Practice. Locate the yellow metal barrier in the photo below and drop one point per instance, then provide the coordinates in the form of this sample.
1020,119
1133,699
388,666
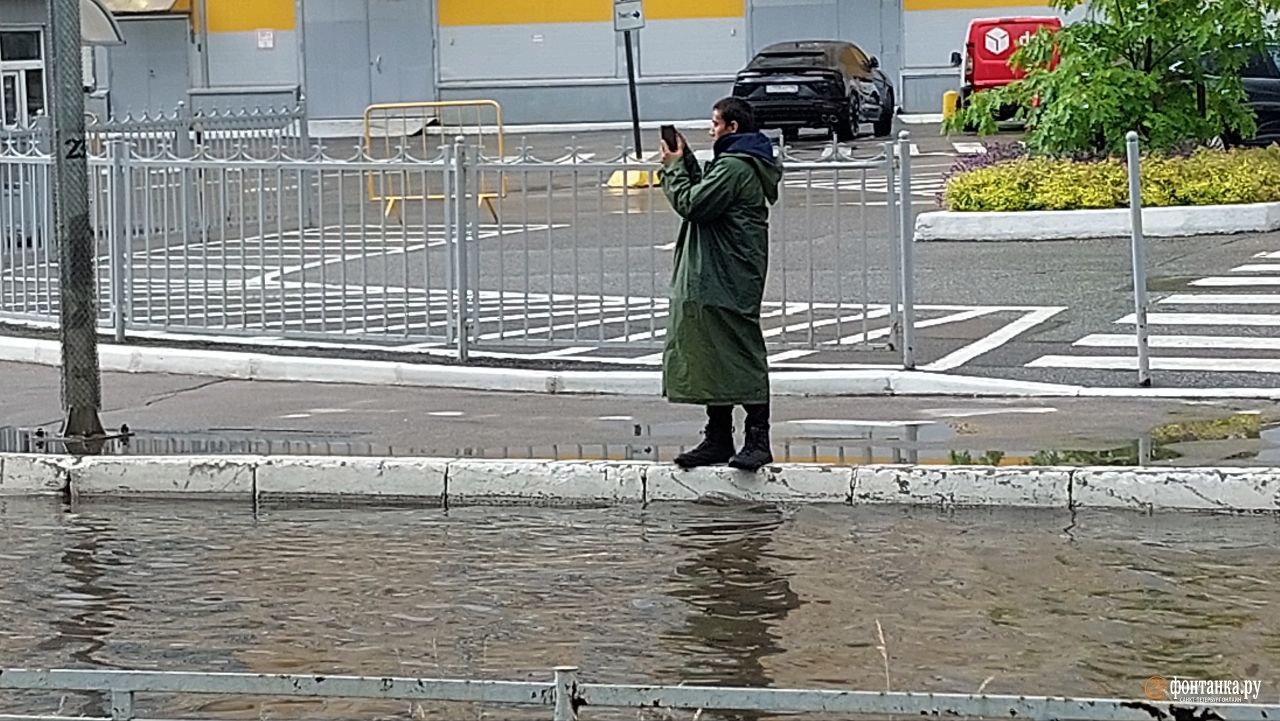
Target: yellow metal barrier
421,128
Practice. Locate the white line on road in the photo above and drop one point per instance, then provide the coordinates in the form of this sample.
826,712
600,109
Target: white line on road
1221,299
1234,281
1182,342
1257,268
884,332
1245,319
1222,365
993,341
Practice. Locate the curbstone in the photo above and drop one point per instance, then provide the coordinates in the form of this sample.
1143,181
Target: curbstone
1161,222
791,483
545,482
1200,489
34,475
210,476
963,486
419,478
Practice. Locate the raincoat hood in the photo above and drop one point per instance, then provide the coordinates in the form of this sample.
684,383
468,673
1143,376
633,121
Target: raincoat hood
756,149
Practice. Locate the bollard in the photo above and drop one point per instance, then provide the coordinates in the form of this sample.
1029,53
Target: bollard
1139,259
950,104
566,688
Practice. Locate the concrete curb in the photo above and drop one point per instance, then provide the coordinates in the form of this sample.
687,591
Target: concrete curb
441,481
1168,222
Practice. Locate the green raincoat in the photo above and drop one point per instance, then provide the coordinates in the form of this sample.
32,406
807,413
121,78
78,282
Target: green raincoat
715,352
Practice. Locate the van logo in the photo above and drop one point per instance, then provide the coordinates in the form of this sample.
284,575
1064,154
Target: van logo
997,41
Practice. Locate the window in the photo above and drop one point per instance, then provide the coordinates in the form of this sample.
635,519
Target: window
22,77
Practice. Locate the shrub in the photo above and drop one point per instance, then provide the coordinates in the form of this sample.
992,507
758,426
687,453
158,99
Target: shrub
1203,177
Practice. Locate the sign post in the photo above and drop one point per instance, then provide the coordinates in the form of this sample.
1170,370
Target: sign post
628,15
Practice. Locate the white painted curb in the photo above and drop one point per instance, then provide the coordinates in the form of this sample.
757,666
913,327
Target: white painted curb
1174,222
435,481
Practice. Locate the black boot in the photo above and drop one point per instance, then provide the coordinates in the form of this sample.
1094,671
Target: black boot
717,442
755,453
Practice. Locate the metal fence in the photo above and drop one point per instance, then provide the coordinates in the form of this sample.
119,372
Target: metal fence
566,696
244,242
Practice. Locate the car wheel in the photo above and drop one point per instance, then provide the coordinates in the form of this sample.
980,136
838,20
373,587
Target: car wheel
883,126
791,134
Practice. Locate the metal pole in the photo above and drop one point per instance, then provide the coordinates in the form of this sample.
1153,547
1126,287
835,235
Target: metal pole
631,84
118,236
895,247
203,12
81,379
906,236
461,201
566,687
1139,260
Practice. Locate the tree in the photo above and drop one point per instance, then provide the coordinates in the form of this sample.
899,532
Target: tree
1168,69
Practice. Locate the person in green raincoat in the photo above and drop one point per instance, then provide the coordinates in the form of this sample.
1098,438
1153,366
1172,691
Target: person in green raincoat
715,353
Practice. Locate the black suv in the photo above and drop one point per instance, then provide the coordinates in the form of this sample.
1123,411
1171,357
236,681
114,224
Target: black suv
817,84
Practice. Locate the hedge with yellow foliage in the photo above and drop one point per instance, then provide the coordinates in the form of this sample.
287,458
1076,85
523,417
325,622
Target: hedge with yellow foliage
1204,177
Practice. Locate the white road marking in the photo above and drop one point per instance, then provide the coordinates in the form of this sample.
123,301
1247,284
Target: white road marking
1245,319
1257,268
1181,342
1221,365
446,414
993,341
1221,299
884,332
844,423
1234,281
975,412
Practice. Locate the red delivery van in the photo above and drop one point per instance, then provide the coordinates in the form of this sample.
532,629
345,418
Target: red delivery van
988,46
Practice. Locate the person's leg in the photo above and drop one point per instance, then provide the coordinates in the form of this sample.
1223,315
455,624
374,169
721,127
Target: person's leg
717,442
756,450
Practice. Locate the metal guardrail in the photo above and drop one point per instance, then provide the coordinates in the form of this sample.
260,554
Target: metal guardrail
568,696
254,242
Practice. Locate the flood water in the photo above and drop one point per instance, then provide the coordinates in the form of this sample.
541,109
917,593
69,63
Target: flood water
1027,602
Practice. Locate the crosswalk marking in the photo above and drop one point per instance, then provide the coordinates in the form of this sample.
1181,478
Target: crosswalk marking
1233,281
1213,319
1158,363
1221,299
1196,351
1180,342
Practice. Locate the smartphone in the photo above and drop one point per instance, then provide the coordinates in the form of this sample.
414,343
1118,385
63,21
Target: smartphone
669,136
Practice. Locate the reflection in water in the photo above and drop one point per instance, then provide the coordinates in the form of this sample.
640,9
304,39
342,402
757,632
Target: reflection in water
92,602
736,597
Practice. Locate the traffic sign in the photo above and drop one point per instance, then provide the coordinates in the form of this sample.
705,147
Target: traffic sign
628,15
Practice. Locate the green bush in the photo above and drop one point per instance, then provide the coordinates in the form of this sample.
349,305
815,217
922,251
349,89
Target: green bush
1205,177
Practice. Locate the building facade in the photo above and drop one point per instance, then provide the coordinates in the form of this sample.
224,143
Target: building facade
543,60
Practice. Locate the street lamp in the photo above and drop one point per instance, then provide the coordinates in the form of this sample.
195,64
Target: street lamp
69,22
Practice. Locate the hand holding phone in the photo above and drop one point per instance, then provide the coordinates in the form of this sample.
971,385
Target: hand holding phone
670,137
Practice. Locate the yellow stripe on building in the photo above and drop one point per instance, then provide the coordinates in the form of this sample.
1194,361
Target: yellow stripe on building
455,13
244,16
693,9
969,4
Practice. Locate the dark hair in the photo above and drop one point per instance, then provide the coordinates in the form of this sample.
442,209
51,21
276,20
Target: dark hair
736,110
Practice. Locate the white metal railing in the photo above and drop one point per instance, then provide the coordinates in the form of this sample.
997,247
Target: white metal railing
257,241
567,695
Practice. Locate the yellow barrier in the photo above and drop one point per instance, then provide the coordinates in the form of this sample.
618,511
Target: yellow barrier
950,103
421,128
